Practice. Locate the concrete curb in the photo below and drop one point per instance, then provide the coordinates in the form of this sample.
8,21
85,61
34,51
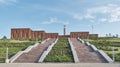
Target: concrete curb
45,53
76,60
80,40
93,47
105,56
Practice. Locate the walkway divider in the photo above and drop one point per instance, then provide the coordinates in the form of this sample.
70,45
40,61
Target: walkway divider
13,58
45,53
105,56
81,40
76,60
101,52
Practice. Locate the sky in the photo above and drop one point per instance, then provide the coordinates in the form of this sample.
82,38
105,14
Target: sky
51,15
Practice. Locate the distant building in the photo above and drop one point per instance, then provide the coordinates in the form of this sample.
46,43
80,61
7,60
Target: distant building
27,33
21,33
93,35
79,34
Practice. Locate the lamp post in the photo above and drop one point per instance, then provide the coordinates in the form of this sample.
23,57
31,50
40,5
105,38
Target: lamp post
92,29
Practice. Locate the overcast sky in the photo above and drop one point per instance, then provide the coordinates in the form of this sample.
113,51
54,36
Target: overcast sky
51,15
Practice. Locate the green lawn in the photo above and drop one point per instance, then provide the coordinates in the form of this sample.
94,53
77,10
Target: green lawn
14,46
61,52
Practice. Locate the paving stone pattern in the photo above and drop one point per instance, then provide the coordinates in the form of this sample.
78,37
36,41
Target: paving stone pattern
85,53
34,54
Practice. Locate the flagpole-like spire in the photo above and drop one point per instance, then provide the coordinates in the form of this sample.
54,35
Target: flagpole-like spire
64,30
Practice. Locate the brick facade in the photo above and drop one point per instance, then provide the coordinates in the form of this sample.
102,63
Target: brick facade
38,34
27,33
51,35
79,34
22,33
64,36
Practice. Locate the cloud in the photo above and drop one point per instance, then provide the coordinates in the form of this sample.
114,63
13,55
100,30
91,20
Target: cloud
7,1
55,21
108,13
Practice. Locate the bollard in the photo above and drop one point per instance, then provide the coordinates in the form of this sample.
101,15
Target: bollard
7,60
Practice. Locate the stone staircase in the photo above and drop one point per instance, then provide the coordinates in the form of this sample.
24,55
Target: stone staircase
85,53
34,54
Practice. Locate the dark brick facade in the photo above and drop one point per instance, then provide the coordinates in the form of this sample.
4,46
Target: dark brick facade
27,33
93,35
64,36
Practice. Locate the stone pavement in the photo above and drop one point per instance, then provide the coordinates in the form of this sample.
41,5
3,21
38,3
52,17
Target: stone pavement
60,65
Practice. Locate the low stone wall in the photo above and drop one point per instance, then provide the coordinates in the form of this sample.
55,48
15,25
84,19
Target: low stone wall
45,41
81,40
76,60
102,53
45,53
87,43
13,58
93,47
105,56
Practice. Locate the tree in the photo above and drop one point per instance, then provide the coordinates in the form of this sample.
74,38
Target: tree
106,35
4,38
117,35
110,35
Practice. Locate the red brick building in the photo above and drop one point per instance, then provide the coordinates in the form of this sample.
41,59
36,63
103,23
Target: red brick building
19,33
38,34
27,33
51,35
79,34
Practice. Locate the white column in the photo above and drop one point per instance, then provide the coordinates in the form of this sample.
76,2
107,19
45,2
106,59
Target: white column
7,60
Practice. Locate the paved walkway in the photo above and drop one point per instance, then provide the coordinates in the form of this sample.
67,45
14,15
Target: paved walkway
85,53
61,65
33,55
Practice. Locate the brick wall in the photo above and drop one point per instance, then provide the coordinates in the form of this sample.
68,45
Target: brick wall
64,36
51,35
26,33
38,34
79,34
21,33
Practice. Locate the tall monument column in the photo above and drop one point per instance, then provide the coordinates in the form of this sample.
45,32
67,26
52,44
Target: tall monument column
64,30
